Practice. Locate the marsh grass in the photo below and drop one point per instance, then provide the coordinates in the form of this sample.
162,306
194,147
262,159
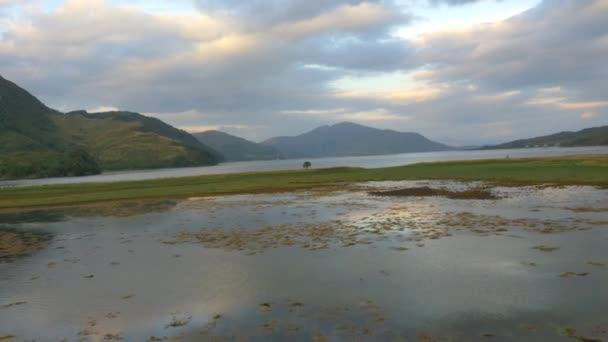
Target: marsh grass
479,194
579,170
15,243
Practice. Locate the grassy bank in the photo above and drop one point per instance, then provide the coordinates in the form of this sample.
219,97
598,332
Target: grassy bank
583,170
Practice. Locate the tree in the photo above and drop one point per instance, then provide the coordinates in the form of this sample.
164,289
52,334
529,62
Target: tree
307,165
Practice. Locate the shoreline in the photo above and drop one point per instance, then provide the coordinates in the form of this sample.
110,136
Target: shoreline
589,170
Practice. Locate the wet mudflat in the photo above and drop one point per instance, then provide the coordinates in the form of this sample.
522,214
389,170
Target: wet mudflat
413,261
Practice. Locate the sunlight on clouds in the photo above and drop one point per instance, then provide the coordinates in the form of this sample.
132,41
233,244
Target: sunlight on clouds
584,105
347,17
564,103
444,18
588,115
313,112
396,88
457,68
344,114
227,46
102,109
386,81
399,97
379,114
546,101
221,127
495,98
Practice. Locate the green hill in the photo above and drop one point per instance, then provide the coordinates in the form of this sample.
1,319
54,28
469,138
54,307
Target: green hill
595,136
37,141
126,140
237,149
25,122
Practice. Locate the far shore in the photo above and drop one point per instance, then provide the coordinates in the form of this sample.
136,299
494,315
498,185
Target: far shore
558,171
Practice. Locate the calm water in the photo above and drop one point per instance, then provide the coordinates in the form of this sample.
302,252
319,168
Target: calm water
272,165
364,268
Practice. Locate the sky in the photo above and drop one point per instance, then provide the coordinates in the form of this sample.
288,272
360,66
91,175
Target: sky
462,72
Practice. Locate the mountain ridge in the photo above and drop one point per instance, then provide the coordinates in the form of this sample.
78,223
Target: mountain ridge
235,148
38,141
351,139
591,136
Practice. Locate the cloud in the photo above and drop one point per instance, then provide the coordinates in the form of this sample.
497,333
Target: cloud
588,115
400,97
9,2
559,43
564,103
102,109
455,2
262,14
344,18
345,114
270,67
94,53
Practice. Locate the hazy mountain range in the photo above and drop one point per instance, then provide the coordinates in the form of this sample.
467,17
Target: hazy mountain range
234,148
349,139
343,139
37,141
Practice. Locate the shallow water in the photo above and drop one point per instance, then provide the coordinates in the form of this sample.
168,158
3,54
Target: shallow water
421,269
290,164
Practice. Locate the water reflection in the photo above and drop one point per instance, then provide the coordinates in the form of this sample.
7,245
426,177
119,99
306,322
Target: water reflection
109,273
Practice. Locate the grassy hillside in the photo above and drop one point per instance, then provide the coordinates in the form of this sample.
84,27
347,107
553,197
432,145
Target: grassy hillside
589,170
25,122
236,149
36,141
595,136
30,142
125,140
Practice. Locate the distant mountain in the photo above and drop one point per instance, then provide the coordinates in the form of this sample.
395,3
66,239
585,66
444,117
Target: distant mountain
350,139
587,137
37,141
236,149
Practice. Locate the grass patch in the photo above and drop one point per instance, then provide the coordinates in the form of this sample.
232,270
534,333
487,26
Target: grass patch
426,191
544,248
14,243
579,170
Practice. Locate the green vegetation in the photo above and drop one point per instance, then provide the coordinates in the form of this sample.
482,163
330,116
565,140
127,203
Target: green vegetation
307,165
36,141
125,140
588,170
595,136
25,122
72,162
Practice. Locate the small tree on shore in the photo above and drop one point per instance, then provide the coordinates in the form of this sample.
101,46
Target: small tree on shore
307,165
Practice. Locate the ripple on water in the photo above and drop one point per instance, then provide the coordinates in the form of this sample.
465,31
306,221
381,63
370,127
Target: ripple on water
337,265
